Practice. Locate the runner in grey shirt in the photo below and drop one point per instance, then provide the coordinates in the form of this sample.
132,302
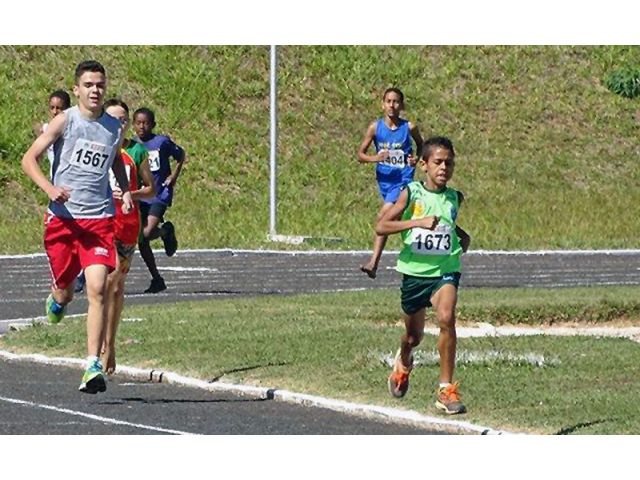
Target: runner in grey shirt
82,163
79,224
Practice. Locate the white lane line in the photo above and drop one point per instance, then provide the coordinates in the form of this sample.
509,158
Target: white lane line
188,269
362,410
94,417
40,319
363,252
488,330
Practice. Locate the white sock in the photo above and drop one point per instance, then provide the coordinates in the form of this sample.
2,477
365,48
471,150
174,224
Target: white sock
91,359
442,385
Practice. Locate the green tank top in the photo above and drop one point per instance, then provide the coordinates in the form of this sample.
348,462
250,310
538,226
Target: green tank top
430,253
139,154
137,151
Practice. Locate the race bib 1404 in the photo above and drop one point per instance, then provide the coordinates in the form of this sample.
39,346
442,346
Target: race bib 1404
395,159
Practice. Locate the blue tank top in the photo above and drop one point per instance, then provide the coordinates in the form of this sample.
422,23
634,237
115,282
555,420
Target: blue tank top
395,169
161,148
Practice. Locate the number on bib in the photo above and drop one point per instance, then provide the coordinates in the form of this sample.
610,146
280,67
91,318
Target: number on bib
91,156
430,242
395,159
154,160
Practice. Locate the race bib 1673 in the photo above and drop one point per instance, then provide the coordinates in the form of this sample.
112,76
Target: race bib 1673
431,242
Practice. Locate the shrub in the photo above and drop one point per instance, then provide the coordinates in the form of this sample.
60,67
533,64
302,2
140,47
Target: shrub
624,81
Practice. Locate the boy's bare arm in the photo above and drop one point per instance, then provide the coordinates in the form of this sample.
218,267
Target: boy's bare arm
465,239
37,149
390,224
149,188
120,172
366,143
173,178
417,138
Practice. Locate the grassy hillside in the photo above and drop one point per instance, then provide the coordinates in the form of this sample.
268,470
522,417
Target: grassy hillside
547,156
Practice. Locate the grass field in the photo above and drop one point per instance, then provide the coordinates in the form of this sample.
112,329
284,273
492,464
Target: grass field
334,345
546,157
545,151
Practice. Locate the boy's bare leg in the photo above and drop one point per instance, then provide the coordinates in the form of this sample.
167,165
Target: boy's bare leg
63,296
444,302
398,381
414,331
114,305
379,242
151,231
96,276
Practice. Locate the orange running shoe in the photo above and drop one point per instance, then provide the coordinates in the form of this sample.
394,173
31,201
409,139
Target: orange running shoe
399,378
449,399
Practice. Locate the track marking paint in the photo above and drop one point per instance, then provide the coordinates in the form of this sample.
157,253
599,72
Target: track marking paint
98,418
233,251
406,417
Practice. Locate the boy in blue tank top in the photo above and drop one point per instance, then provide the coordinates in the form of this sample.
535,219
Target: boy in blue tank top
161,150
394,159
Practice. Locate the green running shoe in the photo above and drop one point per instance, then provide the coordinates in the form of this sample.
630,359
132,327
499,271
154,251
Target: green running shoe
54,311
93,379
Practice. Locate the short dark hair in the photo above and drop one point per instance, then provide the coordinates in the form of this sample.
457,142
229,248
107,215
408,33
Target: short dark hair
394,90
145,111
432,142
88,66
116,102
62,95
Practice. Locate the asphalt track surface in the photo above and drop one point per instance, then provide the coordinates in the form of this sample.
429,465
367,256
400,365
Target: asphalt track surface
42,399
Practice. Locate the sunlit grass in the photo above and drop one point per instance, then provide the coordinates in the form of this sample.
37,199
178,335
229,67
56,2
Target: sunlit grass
334,344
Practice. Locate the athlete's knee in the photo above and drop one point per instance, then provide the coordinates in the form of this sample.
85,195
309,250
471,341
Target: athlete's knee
96,289
446,320
413,338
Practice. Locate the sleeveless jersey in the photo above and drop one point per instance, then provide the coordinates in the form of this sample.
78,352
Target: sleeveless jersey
430,253
139,154
161,148
82,162
51,156
126,227
395,169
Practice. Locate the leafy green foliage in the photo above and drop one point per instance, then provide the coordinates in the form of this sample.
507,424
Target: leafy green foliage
624,81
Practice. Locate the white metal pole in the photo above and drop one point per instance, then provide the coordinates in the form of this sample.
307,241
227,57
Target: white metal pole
273,137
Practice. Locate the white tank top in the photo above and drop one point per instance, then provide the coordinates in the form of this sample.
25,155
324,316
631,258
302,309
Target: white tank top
83,156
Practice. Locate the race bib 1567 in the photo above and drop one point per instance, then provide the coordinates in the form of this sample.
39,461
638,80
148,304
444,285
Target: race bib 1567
91,156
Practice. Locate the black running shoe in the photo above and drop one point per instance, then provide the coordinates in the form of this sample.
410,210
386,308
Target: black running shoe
157,285
169,239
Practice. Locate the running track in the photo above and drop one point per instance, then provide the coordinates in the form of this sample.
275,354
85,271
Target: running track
47,402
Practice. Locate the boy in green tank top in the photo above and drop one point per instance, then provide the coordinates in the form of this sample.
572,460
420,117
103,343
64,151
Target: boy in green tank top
425,216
